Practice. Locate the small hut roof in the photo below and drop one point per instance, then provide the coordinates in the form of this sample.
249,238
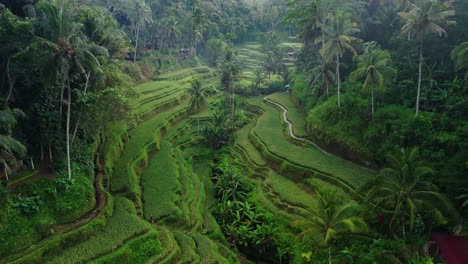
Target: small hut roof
453,249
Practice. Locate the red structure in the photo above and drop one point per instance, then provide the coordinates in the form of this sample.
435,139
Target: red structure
453,249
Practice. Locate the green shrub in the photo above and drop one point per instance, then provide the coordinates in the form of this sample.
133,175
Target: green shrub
161,185
123,225
16,231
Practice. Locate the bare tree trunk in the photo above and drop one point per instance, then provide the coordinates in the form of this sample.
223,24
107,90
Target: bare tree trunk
403,222
161,42
338,78
50,153
420,76
76,129
6,172
372,99
198,121
68,130
61,102
87,76
232,108
32,163
329,255
10,82
170,48
136,43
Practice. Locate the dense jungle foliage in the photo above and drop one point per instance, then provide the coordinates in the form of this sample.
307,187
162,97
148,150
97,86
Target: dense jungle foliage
232,131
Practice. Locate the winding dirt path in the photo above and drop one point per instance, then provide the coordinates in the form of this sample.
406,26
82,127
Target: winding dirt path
291,128
291,133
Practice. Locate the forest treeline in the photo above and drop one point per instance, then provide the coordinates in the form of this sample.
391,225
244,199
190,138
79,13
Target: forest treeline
379,76
67,67
67,71
382,83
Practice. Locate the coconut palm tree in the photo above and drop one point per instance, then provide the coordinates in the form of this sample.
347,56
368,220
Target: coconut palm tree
404,189
460,53
425,16
9,147
322,76
172,31
69,51
139,14
198,100
230,70
375,66
329,218
339,41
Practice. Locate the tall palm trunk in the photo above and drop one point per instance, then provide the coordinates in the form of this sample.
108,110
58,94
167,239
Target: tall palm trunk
136,43
161,42
170,47
403,227
10,81
372,97
420,75
338,78
68,130
329,255
198,120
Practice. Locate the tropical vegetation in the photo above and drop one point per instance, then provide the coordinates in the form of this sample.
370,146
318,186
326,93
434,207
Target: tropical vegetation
232,131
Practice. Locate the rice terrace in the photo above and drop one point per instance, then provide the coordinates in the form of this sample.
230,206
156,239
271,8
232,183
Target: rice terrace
234,131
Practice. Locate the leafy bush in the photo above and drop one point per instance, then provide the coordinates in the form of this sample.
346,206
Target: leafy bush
16,231
28,205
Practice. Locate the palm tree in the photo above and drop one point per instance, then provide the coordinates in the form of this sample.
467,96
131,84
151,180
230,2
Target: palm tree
230,70
139,14
425,16
198,27
404,189
339,41
198,100
69,50
329,218
460,53
322,75
172,31
375,66
9,147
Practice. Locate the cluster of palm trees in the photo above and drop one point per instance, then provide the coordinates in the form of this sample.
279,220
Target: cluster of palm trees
401,192
70,52
419,17
9,147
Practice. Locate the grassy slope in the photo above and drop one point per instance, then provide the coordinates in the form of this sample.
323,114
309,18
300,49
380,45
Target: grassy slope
161,186
122,226
271,132
297,117
242,139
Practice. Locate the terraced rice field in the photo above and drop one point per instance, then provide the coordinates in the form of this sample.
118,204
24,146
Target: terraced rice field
151,179
271,134
295,115
162,196
252,56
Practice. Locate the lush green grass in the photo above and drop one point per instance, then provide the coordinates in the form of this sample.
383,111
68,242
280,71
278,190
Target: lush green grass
122,226
161,185
270,131
242,140
317,184
136,149
138,250
170,248
289,191
297,117
209,251
187,245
